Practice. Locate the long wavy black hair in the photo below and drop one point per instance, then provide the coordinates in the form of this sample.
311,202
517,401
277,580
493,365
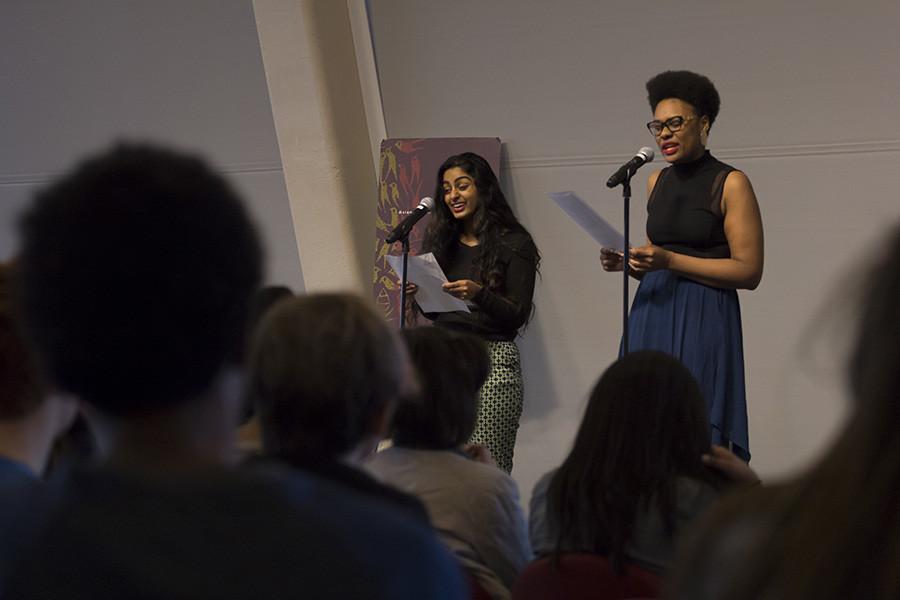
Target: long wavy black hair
494,219
645,426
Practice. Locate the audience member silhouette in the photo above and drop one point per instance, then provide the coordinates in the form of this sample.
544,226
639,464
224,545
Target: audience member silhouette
136,275
473,504
635,476
325,374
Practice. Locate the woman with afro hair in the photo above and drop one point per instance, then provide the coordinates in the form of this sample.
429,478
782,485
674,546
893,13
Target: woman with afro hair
705,242
491,262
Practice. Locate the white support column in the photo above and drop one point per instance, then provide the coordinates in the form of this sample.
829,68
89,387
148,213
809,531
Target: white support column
323,137
368,76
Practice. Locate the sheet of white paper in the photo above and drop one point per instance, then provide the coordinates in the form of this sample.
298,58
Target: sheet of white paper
599,228
424,271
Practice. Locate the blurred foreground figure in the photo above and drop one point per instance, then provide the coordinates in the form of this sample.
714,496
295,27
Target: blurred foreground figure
833,533
137,272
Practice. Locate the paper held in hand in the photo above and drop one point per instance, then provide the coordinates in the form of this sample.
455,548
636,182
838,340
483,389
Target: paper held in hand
596,226
424,271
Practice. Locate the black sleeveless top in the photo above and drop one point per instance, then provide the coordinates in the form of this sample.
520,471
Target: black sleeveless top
684,212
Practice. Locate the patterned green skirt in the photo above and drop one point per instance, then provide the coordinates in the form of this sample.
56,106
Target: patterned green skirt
501,404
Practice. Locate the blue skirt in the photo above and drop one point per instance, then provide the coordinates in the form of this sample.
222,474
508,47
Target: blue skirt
701,326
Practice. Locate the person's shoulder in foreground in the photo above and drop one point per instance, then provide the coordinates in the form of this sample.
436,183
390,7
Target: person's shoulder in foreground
230,534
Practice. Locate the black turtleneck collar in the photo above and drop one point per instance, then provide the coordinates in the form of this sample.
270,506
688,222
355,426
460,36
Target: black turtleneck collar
689,168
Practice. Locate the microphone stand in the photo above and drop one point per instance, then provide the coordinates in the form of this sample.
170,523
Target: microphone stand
626,197
405,243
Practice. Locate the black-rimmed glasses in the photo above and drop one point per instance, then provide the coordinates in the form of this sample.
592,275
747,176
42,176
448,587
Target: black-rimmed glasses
673,124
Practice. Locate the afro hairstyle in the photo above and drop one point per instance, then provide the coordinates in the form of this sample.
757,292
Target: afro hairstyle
693,88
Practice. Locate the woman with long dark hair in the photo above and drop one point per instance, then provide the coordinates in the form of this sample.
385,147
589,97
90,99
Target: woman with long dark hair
635,476
705,242
490,261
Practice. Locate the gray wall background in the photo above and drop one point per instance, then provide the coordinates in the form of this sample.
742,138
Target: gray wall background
78,75
810,94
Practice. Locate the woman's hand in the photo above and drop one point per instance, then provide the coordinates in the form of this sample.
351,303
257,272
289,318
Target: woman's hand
649,258
730,465
464,289
411,288
610,259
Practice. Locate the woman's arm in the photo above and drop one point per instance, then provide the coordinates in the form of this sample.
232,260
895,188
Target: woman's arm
610,258
743,230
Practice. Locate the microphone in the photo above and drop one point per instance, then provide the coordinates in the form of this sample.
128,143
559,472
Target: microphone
644,155
403,228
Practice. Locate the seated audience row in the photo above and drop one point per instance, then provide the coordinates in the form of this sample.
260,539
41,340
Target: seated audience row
325,376
135,278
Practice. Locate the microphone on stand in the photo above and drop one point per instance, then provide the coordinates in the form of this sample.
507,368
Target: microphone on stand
643,156
403,228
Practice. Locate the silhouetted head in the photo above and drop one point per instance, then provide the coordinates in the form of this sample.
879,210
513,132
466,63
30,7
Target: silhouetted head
644,428
136,274
451,368
326,372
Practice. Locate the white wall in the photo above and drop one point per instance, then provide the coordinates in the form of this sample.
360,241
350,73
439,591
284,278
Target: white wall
77,75
809,94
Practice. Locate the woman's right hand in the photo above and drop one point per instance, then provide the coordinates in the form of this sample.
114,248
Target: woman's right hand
411,288
611,259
